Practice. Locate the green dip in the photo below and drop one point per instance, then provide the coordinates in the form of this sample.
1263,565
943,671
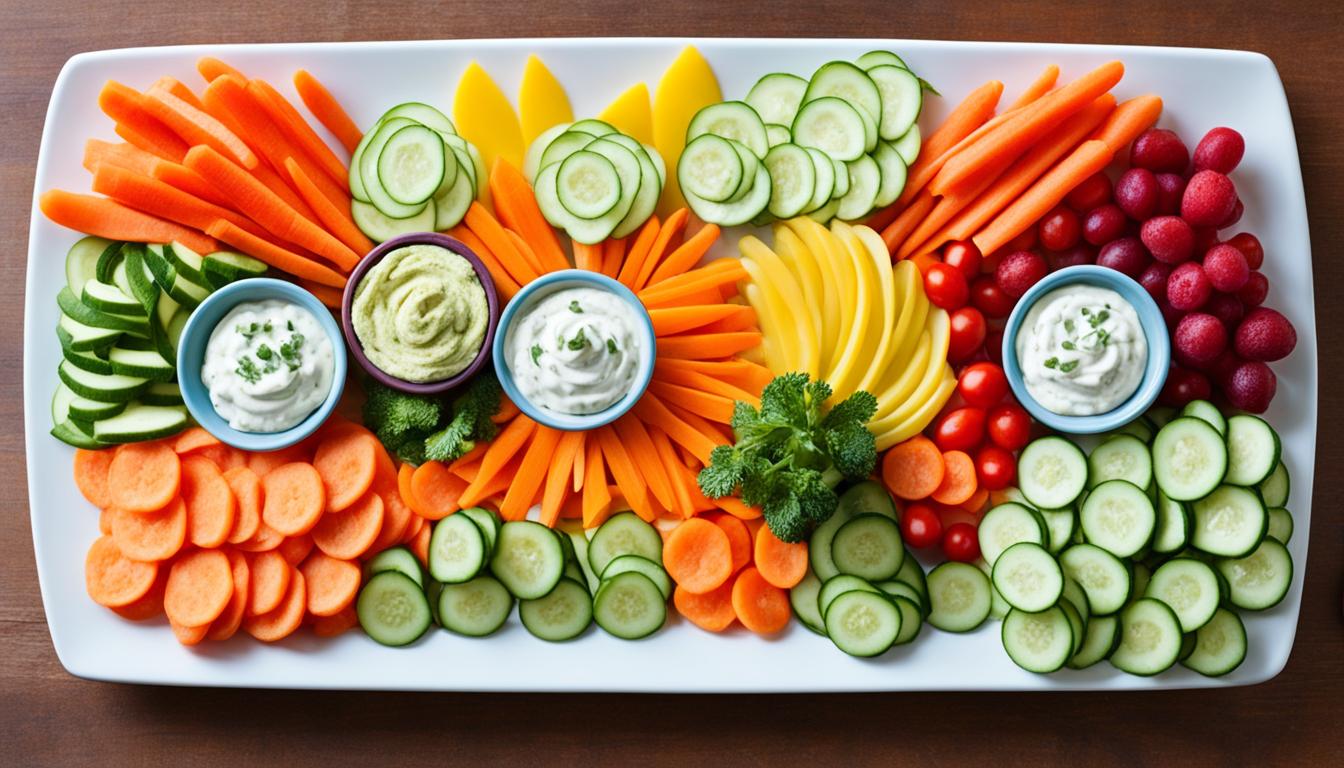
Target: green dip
420,313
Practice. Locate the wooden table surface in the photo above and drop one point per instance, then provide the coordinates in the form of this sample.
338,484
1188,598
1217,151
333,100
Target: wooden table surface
48,717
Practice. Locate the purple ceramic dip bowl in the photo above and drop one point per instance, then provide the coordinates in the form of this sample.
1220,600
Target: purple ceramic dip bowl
376,255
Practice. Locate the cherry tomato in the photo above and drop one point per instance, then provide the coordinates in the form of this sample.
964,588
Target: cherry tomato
989,298
1009,426
1060,229
994,346
945,286
960,430
982,385
1023,242
961,543
1095,190
968,334
920,526
996,467
965,256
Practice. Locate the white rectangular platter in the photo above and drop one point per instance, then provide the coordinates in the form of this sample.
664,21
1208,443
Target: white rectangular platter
1201,89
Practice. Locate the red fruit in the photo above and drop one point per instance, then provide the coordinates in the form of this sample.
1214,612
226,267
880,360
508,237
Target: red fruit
964,256
1234,216
920,526
1170,187
1226,267
1251,387
1136,193
1079,254
960,430
1104,224
1223,367
1154,280
1199,339
989,298
1205,238
996,467
1188,287
1209,199
1220,150
1023,242
982,385
1168,238
1019,271
1228,309
1125,255
1265,335
961,543
1250,247
1060,229
1095,190
1184,385
1158,149
994,346
1009,426
1253,293
945,286
967,333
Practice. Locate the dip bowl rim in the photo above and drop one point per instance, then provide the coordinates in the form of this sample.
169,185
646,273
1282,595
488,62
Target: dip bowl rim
1155,366
543,286
191,355
357,349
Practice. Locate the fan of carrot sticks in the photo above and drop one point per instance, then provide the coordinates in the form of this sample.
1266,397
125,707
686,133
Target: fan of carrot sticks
988,178
647,460
235,164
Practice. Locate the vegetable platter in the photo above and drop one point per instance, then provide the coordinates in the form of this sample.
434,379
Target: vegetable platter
801,167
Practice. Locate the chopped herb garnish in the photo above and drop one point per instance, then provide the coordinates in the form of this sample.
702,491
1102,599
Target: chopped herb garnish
248,370
1069,326
1099,318
1052,362
249,330
536,354
575,308
289,325
611,346
578,342
264,352
267,326
1069,345
1068,367
1086,312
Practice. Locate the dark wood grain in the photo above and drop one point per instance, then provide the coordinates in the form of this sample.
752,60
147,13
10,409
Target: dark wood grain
48,717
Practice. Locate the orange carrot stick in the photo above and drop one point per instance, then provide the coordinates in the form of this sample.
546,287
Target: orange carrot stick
644,455
1036,120
189,181
673,227
625,473
897,231
211,68
670,320
687,255
587,256
507,444
292,123
123,155
613,253
172,150
698,381
655,413
971,113
107,218
128,107
179,89
1129,120
327,110
1089,158
196,127
639,252
504,282
740,373
1038,88
709,405
714,275
557,476
265,208
527,481
674,470
148,194
492,234
516,207
922,240
707,346
331,217
596,496
282,259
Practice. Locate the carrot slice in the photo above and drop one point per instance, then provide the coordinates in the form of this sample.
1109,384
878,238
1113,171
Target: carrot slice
150,536
128,107
346,464
91,475
760,606
331,626
970,114
711,611
670,230
556,488
113,579
143,477
396,518
211,507
281,258
270,577
292,123
977,501
739,538
780,563
149,605
246,487
265,539
913,469
347,535
959,482
211,68
200,584
296,548
198,128
262,462
188,636
506,444
698,556
327,110
687,255
419,543
1129,119
1090,157
294,499
434,491
331,584
516,207
224,627
281,622
735,507
114,221
193,438
333,218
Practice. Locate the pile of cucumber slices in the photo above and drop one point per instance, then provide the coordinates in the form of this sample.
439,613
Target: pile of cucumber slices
479,567
412,173
1141,552
593,181
835,146
122,310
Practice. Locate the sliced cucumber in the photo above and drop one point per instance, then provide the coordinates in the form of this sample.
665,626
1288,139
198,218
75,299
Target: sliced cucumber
912,619
474,608
863,623
532,159
85,338
630,606
735,213
107,388
865,180
108,261
894,170
1028,577
960,597
1220,645
1203,409
734,120
379,228
81,261
110,298
868,546
527,559
878,58
1253,449
1008,524
141,422
1189,587
595,128
186,262
392,609
649,191
1150,638
839,585
627,563
585,231
87,315
1189,458
711,168
793,180
803,599
1038,642
561,615
843,80
1118,517
457,550
1280,525
1230,522
162,393
421,113
776,97
1104,578
378,195
1274,489
411,166
777,134
831,125
819,545
139,280
83,409
624,534
562,146
902,98
1100,638
145,364
1120,457
866,498
399,559
1052,472
451,206
908,145
1173,525
1260,580
1060,525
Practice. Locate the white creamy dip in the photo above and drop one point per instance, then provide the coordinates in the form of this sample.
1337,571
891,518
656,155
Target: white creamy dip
576,351
1082,350
268,365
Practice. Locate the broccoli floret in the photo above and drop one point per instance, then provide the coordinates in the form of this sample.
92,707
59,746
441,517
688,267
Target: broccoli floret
412,426
470,423
392,414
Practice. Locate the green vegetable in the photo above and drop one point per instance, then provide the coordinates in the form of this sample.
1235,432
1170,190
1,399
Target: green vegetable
578,342
789,456
470,422
417,428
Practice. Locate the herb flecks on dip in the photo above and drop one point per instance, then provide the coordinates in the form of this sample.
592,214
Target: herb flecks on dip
1082,350
576,351
420,314
268,365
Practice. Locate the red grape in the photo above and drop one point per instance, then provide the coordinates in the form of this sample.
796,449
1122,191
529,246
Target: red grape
1209,199
1250,247
1094,191
1060,229
1226,267
1136,192
1253,293
1220,150
1019,271
1188,287
1158,149
1104,224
